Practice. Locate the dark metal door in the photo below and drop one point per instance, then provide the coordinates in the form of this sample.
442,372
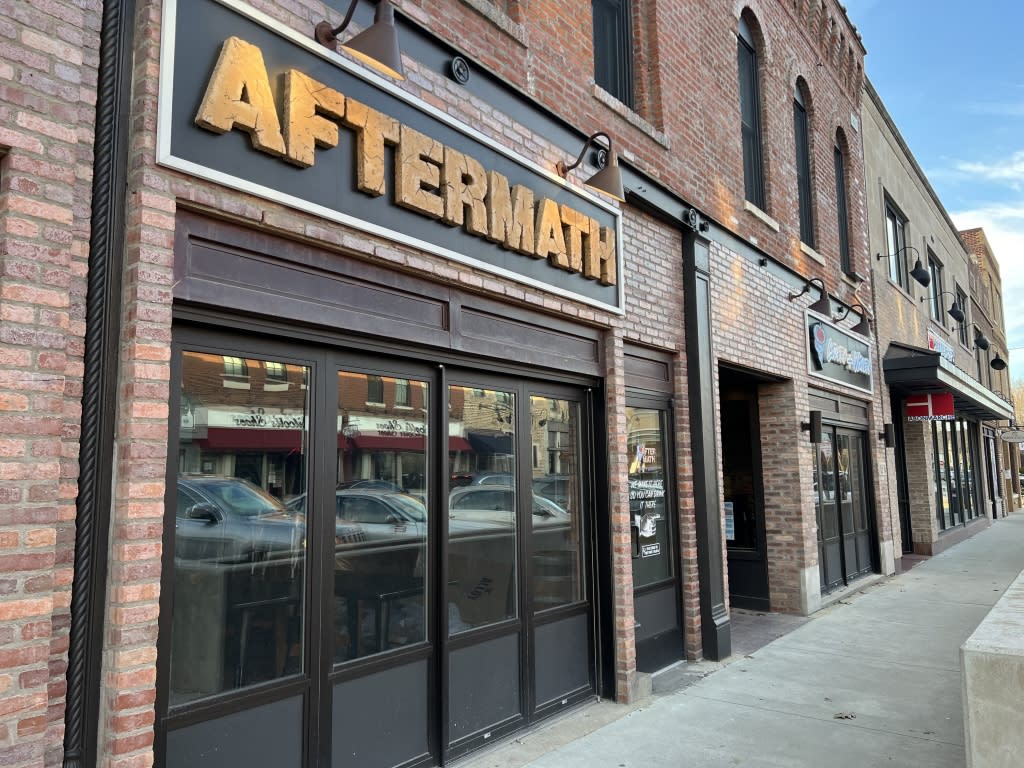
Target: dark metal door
843,508
659,631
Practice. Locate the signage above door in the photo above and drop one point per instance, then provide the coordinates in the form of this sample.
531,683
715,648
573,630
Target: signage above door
838,356
260,108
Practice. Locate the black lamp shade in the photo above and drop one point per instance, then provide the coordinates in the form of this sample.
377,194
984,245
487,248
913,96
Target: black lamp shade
956,313
980,340
863,327
822,306
998,364
609,179
920,274
377,45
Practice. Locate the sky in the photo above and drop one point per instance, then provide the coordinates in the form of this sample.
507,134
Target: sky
951,77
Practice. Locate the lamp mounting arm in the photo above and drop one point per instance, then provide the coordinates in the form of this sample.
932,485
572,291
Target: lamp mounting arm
563,169
326,35
897,252
807,286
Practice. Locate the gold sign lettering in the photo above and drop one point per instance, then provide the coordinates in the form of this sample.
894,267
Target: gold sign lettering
429,178
239,96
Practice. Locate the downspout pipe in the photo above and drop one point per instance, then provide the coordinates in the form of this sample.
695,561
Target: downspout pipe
99,384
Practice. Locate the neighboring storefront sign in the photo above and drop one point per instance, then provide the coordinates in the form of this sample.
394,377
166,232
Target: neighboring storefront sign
934,406
938,344
1013,435
837,356
249,104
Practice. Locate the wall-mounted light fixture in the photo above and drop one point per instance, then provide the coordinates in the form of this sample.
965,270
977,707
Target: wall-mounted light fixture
888,435
822,306
377,45
863,327
998,364
954,309
813,426
980,339
608,179
919,273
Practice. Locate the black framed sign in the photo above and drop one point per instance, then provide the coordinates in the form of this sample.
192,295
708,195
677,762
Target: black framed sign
255,106
838,356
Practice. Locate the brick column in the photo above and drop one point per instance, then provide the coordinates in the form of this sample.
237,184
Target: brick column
920,462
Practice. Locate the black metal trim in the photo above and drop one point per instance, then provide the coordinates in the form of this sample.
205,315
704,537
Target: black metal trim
99,384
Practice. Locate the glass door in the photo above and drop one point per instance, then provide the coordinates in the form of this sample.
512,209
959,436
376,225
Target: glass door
659,631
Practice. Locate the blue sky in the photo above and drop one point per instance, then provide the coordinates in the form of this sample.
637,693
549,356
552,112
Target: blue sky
950,76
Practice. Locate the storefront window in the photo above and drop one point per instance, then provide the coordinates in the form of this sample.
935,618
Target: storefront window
954,446
380,516
649,524
240,521
482,504
556,551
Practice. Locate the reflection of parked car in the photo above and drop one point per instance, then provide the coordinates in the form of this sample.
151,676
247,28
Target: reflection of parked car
226,519
460,479
371,485
554,487
373,516
496,505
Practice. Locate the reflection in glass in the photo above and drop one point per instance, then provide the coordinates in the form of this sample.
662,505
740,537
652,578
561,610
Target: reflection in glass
555,546
380,515
649,523
481,508
239,551
828,487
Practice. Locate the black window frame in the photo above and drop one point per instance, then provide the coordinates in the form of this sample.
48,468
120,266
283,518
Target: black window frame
750,116
961,302
613,48
842,209
802,145
936,288
896,245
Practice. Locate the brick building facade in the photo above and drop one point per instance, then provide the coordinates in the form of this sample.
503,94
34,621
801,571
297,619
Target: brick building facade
177,421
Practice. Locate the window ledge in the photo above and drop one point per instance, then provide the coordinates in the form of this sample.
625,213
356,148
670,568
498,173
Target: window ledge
500,19
759,214
807,250
630,116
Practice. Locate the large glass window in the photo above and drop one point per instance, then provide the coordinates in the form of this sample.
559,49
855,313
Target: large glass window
961,302
556,549
896,241
613,48
842,210
750,116
482,503
649,524
954,446
801,137
936,288
380,519
240,529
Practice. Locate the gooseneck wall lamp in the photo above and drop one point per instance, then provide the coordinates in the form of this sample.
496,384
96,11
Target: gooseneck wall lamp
377,45
954,309
863,327
919,273
980,339
822,306
609,178
998,364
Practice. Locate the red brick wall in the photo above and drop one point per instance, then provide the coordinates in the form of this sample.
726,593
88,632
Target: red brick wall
48,60
686,134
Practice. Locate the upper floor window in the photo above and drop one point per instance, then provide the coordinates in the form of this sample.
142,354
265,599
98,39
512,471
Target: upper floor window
842,209
961,302
750,116
613,48
402,392
895,242
936,288
374,389
802,140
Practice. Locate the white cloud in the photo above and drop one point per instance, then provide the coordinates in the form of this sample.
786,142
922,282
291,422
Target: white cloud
1004,228
1009,170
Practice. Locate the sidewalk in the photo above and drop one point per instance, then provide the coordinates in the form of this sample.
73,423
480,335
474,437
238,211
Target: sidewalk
873,680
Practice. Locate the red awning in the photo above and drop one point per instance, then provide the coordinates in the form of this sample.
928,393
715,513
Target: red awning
236,438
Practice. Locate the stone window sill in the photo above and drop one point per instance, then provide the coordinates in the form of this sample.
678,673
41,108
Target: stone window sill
757,213
500,19
630,116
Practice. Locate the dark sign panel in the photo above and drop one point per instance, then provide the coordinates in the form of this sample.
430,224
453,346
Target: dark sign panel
249,104
838,356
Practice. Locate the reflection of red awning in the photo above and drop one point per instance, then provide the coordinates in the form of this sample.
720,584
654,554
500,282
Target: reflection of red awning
459,444
234,438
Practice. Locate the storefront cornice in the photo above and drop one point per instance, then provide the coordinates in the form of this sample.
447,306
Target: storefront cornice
921,370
